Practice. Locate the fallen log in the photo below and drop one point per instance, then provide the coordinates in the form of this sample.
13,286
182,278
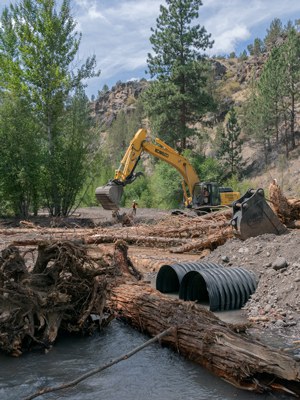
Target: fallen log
136,239
206,340
211,242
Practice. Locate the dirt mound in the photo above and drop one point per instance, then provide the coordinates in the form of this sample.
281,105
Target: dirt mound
275,261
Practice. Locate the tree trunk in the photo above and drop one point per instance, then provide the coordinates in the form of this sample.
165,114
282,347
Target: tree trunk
206,340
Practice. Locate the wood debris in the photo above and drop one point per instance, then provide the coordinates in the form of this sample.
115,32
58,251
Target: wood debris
288,210
65,290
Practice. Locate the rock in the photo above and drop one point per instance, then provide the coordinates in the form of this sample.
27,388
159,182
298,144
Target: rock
279,263
225,259
279,323
268,308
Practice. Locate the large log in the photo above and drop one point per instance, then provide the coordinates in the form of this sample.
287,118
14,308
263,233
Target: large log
205,339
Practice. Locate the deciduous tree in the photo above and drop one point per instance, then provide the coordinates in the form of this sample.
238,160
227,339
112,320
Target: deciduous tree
39,45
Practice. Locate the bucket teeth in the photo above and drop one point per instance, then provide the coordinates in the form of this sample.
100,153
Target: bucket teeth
252,216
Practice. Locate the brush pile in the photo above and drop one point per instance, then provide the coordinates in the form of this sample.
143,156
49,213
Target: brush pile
180,234
65,290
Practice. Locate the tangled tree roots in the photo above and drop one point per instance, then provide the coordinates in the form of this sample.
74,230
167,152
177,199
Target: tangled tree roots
288,210
65,290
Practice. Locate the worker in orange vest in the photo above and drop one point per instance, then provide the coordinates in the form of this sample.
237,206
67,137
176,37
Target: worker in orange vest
134,205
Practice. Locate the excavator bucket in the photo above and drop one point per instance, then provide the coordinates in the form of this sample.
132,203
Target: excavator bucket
109,196
252,216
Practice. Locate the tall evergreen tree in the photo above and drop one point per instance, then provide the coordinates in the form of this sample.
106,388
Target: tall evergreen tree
290,55
270,88
178,96
231,145
256,122
274,32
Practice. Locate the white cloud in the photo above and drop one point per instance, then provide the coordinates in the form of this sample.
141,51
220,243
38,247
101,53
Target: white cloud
118,31
234,21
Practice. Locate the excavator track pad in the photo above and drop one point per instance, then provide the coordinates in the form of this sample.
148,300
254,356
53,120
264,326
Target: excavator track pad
252,216
109,196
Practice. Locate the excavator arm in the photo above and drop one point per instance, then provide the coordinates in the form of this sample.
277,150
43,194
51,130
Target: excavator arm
110,195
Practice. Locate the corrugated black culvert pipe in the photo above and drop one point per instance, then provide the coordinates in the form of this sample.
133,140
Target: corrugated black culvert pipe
169,277
223,288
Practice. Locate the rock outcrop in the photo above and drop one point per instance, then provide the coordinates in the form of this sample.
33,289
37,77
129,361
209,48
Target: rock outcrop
121,97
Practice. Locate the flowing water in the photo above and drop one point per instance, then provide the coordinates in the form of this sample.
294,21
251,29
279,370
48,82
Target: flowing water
154,373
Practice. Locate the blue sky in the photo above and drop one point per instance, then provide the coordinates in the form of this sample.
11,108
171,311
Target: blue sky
118,31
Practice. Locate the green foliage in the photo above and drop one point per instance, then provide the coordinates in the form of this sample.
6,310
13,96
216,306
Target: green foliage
103,91
243,56
20,160
139,191
274,32
99,172
210,170
257,48
271,111
73,152
178,96
122,131
165,187
38,44
231,145
237,184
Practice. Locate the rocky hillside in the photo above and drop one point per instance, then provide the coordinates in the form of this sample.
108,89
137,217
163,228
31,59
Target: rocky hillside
121,97
233,78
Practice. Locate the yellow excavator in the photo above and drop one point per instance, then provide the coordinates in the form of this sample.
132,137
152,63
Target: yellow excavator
200,196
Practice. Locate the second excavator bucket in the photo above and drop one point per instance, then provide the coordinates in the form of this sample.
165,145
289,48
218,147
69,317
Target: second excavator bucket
109,196
252,216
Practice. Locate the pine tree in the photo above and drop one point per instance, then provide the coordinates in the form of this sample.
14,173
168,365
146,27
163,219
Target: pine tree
290,55
273,33
231,145
178,96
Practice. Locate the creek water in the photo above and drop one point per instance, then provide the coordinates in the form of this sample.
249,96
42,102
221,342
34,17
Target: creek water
154,373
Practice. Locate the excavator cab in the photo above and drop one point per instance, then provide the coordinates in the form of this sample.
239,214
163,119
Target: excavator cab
206,194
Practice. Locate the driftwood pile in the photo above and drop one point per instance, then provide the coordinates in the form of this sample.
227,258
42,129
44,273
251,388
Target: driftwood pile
179,234
65,290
